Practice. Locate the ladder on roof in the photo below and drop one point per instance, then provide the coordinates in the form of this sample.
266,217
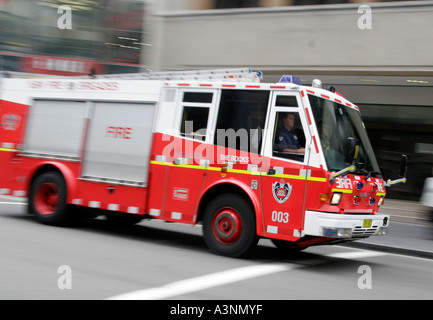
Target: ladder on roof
25,75
228,75
232,75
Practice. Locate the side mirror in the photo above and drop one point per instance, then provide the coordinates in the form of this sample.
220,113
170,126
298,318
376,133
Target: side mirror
402,173
403,166
351,150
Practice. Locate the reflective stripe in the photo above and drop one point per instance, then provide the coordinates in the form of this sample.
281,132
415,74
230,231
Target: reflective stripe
8,145
94,204
342,190
190,166
113,207
279,170
155,212
290,176
286,176
297,233
19,193
272,229
133,210
5,191
176,215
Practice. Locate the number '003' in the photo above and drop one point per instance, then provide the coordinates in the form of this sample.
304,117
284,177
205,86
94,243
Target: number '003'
280,216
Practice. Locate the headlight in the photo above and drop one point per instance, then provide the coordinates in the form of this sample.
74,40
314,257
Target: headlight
337,232
336,198
381,201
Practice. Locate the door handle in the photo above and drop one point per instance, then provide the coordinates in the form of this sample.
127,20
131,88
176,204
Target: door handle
271,172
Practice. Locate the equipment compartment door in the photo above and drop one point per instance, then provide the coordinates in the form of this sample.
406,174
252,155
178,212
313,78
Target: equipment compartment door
55,128
119,142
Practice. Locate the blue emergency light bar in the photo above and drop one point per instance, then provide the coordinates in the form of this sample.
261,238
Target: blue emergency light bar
291,79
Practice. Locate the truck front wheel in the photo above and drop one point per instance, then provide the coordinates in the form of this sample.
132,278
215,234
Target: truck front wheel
229,226
47,199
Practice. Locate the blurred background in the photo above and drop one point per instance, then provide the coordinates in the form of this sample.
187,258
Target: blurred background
387,70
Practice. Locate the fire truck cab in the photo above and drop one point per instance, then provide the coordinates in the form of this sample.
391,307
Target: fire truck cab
245,159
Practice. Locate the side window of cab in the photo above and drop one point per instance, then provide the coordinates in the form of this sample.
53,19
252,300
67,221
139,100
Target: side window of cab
195,114
289,138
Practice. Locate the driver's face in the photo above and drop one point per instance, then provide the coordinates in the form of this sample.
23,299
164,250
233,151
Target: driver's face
289,121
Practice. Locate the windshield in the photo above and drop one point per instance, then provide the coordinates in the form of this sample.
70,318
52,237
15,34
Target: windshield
336,123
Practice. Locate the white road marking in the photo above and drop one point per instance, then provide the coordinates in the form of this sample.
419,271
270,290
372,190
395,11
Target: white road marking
356,254
204,282
19,203
227,277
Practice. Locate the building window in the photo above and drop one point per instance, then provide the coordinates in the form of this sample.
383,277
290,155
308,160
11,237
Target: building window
224,4
311,2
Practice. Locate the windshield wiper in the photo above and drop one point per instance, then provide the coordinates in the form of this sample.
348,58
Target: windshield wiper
366,169
343,172
367,173
371,173
360,171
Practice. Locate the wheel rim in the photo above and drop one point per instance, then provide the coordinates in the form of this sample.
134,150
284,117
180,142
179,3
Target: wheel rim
227,226
47,198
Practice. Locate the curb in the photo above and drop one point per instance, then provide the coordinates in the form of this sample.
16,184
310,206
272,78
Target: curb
389,249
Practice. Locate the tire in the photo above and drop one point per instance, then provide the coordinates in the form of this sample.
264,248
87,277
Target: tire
229,226
47,199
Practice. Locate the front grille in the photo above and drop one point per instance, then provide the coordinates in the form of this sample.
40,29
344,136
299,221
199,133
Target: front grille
360,232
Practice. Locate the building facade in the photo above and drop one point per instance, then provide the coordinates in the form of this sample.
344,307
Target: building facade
377,54
44,37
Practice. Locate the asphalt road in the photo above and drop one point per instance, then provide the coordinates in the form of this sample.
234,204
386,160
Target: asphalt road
156,260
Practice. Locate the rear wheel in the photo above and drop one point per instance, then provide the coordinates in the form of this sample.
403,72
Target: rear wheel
229,226
48,199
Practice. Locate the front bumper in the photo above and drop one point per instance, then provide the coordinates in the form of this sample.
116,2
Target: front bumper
349,226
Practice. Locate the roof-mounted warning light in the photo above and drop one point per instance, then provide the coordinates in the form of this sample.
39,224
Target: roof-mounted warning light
317,83
332,89
291,79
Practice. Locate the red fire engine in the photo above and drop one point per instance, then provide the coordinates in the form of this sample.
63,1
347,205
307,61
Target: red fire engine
245,159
